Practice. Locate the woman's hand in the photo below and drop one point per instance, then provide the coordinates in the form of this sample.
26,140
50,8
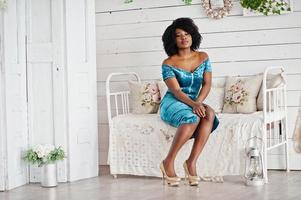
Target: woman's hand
199,109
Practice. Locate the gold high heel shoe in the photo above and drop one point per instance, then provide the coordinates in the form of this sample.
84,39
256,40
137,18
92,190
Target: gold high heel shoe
171,181
193,180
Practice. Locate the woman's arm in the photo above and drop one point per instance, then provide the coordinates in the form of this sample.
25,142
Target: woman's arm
207,77
206,86
175,88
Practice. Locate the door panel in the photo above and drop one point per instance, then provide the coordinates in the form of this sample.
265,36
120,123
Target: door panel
82,97
14,95
42,101
2,113
45,76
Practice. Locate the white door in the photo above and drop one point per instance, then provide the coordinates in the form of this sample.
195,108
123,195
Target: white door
2,143
2,115
45,78
82,97
2,130
13,88
2,167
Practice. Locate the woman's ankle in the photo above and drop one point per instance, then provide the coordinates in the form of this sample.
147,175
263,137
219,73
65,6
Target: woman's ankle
169,167
191,165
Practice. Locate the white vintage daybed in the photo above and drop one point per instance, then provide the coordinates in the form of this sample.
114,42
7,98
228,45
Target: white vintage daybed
139,142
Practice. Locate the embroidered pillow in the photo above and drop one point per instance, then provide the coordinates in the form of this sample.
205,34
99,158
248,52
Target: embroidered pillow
144,97
273,80
215,99
240,94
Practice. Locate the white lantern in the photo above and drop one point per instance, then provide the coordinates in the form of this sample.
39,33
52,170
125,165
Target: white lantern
254,166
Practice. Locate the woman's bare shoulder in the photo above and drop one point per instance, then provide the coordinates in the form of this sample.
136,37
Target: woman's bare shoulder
168,61
203,55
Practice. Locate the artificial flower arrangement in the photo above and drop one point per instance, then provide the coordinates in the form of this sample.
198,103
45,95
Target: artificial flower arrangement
44,154
3,4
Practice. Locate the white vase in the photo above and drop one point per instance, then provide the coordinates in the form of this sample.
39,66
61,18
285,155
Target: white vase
48,175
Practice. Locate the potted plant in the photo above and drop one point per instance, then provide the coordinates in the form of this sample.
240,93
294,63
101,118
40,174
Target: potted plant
46,157
266,7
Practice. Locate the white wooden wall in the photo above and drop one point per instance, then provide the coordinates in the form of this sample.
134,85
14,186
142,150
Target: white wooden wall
129,39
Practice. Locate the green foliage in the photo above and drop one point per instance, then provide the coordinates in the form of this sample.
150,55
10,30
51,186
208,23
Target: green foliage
128,1
187,2
32,156
266,6
57,154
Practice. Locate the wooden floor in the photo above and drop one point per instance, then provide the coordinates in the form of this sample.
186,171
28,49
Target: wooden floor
284,186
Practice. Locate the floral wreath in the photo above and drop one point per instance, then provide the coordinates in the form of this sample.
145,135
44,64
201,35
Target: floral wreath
3,4
217,13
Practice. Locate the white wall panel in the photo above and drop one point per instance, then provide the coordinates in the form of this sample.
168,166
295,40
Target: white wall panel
210,40
155,11
230,24
116,5
156,14
227,54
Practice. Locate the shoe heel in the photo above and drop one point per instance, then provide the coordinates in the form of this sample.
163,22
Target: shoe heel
163,179
171,181
192,180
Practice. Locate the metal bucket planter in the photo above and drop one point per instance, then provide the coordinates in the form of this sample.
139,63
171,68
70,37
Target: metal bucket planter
48,175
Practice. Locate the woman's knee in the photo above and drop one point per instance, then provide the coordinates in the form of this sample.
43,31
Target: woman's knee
210,114
189,128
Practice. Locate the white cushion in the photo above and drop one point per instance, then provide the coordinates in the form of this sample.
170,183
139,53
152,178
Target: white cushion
273,80
215,99
162,88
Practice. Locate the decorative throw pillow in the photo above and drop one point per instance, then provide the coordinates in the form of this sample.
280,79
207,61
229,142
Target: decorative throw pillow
162,88
240,94
215,99
144,97
273,80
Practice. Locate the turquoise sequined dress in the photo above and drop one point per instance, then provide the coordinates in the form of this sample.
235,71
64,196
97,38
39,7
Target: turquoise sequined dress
172,110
